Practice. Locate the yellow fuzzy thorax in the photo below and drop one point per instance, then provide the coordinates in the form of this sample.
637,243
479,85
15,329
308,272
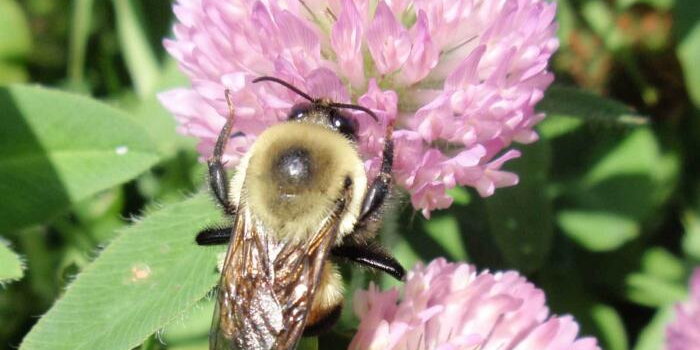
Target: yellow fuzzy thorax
295,212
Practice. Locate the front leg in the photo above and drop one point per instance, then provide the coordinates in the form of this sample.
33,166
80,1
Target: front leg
218,182
377,192
214,236
371,255
218,179
357,247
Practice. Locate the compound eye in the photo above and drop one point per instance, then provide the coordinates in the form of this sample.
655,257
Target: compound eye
344,125
299,111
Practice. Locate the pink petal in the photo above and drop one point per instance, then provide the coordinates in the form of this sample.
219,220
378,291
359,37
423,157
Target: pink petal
388,41
346,40
424,53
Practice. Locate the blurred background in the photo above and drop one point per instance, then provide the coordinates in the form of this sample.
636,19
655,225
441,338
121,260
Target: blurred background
606,218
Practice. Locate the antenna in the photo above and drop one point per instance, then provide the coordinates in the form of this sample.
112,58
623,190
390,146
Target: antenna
306,96
356,107
285,84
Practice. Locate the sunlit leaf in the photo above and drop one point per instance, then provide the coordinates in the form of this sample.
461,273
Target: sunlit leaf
653,291
653,335
140,58
459,195
193,325
11,267
156,120
597,231
661,263
149,276
11,73
691,238
58,148
611,327
557,125
81,18
688,50
621,187
15,37
445,231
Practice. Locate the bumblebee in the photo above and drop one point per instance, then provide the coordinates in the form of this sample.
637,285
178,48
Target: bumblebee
299,200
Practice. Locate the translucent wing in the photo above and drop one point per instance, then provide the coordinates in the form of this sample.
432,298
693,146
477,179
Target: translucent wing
267,285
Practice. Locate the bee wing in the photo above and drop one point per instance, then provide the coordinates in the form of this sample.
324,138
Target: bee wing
267,286
248,315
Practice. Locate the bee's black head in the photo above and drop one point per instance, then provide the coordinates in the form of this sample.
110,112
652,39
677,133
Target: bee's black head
322,111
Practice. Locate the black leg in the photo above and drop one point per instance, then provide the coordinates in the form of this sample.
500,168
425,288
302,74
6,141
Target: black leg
214,236
218,180
372,256
357,246
376,194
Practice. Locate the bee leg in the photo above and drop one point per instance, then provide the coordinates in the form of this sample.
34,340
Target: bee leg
323,324
374,199
371,255
356,249
214,236
218,179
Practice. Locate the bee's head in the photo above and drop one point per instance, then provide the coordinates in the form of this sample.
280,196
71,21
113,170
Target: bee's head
322,111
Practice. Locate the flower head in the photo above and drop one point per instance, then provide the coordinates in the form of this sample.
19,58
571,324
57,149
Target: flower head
460,78
684,332
448,306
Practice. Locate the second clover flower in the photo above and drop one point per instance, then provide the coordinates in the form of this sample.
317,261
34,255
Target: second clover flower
451,306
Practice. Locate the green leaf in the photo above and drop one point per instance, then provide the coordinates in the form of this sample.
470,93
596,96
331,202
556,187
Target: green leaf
597,231
57,148
557,125
619,191
610,326
691,238
661,280
201,345
444,230
637,154
310,343
150,275
459,195
564,105
653,291
79,34
11,267
520,217
194,325
15,37
11,73
567,22
151,114
601,19
664,5
140,58
686,14
661,263
653,335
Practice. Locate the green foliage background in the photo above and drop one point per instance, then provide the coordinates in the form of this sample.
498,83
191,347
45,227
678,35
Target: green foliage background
101,199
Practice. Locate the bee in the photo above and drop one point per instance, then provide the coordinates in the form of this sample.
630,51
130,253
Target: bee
299,200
